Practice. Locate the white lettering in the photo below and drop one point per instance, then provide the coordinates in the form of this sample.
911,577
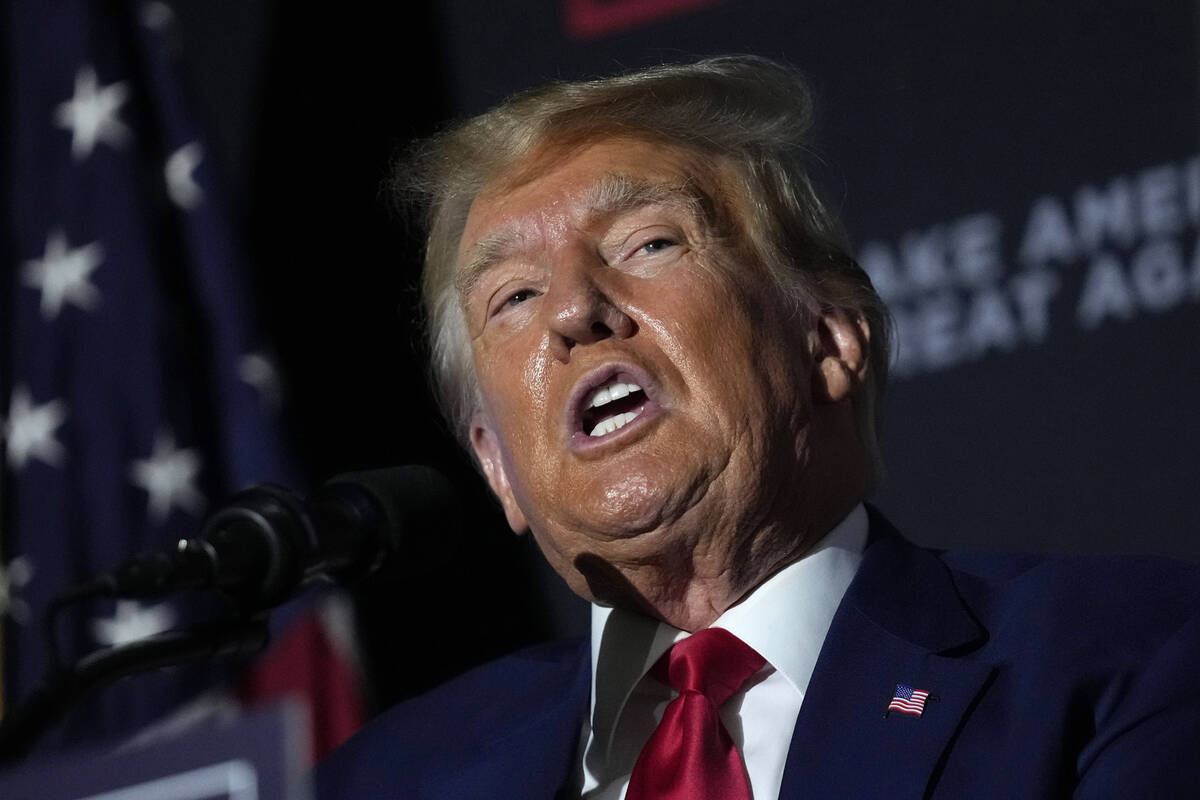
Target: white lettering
1158,195
990,323
943,329
1105,293
1048,235
936,331
924,257
1033,292
1191,182
907,360
880,263
1105,216
927,333
975,249
956,297
1195,281
1158,276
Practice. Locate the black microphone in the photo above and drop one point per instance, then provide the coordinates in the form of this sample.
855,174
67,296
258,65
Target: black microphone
267,541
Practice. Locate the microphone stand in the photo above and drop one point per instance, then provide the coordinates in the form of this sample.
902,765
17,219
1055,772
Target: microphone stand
60,687
254,552
271,509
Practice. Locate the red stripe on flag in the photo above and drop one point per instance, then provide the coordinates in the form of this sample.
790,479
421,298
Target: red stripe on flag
305,664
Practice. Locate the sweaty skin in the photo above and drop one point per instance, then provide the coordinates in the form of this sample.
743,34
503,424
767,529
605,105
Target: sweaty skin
624,260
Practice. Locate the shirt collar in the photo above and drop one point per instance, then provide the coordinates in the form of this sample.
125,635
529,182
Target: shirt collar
785,619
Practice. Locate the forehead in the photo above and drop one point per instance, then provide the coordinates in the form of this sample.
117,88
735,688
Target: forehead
558,187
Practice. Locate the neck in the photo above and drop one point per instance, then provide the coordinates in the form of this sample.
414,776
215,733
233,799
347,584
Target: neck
692,585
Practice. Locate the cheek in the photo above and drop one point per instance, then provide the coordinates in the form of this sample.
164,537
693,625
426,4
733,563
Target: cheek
513,383
744,360
535,370
715,338
688,312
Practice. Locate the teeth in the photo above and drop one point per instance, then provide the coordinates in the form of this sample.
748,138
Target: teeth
607,394
607,426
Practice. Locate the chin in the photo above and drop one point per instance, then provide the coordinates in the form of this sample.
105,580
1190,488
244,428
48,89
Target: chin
631,505
624,517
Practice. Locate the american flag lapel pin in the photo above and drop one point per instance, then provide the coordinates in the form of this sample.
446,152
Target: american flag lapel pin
908,700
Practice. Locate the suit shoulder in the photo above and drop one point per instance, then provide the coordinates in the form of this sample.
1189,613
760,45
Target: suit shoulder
519,677
1140,600
470,713
483,698
1024,572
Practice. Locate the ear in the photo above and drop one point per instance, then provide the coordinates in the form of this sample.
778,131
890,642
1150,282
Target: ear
841,356
486,444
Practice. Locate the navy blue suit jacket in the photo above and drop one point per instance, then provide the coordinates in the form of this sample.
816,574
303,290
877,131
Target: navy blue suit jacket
1049,677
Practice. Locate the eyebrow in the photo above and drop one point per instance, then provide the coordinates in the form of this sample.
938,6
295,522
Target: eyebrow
612,194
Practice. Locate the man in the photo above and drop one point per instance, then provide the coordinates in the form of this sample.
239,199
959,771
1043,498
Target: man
649,332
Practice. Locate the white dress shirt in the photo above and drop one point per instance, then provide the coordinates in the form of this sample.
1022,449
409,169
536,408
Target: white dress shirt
785,620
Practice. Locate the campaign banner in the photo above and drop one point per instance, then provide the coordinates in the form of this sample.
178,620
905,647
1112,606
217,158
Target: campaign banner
259,756
1022,185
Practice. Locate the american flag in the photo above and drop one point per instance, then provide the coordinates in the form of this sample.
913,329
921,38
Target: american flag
908,700
136,391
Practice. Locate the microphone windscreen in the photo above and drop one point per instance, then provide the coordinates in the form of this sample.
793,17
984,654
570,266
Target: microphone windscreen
420,508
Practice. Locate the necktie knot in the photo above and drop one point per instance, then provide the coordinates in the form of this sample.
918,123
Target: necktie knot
690,753
712,662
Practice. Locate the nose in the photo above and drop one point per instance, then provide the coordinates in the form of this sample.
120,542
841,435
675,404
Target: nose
581,312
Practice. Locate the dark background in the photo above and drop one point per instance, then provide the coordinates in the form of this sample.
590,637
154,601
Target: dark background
1084,440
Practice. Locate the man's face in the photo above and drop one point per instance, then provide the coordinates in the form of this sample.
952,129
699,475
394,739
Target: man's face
645,394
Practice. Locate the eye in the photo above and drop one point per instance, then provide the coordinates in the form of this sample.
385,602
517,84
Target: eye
657,245
518,297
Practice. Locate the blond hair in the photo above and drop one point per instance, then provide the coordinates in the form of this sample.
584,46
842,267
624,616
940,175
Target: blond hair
747,112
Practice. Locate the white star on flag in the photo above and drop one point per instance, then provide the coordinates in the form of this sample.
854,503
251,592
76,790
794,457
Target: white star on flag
181,186
132,621
169,477
259,371
29,430
15,576
157,15
62,274
91,113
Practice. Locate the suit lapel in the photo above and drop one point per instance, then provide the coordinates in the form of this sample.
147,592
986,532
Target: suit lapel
902,622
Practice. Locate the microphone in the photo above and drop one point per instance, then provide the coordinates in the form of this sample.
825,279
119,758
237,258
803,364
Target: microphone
267,541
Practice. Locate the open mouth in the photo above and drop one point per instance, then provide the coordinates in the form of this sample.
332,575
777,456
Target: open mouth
609,404
612,406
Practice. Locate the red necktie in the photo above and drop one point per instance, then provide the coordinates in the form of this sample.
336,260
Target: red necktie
690,754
